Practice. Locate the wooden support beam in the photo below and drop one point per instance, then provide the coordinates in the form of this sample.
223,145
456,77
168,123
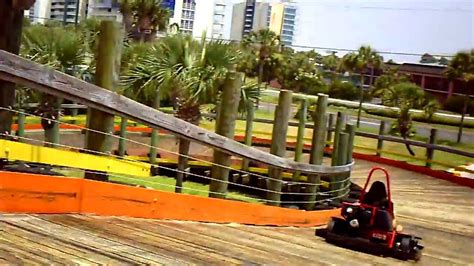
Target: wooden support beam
351,131
320,118
21,124
154,132
336,181
123,137
430,151
278,148
248,130
107,76
300,136
380,141
225,126
330,125
339,127
11,21
23,72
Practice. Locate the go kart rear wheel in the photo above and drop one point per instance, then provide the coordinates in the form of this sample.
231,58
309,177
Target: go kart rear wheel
408,249
336,226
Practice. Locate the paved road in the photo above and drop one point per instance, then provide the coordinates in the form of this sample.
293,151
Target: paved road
436,210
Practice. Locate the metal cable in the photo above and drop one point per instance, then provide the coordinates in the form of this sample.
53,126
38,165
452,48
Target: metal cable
171,169
161,149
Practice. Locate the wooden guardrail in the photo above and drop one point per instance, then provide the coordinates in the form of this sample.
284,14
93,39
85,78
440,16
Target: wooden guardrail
42,78
416,143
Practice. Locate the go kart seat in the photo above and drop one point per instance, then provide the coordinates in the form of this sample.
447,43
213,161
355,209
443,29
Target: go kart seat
377,196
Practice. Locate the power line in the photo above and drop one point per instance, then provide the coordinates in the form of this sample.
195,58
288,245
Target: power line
313,47
347,6
343,49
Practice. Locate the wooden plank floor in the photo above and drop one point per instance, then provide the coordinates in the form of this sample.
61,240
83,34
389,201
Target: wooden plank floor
436,210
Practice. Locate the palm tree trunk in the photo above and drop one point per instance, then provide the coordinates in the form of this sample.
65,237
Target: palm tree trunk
182,163
464,111
260,80
50,125
188,111
361,98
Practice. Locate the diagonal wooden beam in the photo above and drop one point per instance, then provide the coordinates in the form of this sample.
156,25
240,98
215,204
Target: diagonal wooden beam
24,72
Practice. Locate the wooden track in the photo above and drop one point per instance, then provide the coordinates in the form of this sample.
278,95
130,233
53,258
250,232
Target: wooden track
438,211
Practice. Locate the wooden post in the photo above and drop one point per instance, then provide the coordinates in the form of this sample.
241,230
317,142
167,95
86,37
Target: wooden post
430,151
330,125
74,111
248,131
339,123
341,159
317,147
225,126
123,136
154,132
11,21
350,130
107,76
21,124
380,141
280,130
300,136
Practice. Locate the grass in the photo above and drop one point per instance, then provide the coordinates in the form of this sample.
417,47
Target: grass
162,183
392,150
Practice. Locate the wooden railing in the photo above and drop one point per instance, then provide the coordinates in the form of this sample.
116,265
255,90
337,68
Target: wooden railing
380,138
104,104
26,73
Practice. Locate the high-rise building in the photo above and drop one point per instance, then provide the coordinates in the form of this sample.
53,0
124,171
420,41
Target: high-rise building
63,11
66,11
198,16
219,19
247,17
104,9
282,20
39,12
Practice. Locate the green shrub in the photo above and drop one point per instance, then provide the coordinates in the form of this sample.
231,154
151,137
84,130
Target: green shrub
343,90
420,117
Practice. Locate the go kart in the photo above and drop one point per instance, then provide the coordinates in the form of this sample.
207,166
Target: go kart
367,224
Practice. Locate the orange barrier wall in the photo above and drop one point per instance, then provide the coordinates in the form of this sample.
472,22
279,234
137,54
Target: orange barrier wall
27,193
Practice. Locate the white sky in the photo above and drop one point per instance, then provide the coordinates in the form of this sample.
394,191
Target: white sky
411,26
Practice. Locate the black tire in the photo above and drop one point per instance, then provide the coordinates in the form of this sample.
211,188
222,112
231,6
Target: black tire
336,226
416,255
407,251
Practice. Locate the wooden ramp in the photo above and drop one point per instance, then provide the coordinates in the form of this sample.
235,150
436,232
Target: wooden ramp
438,211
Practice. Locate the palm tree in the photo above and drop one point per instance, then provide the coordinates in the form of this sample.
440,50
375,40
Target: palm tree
359,62
396,91
262,44
144,18
189,72
61,49
461,68
331,64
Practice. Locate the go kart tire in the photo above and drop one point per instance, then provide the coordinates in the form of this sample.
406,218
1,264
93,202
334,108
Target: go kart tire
406,251
336,226
416,255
